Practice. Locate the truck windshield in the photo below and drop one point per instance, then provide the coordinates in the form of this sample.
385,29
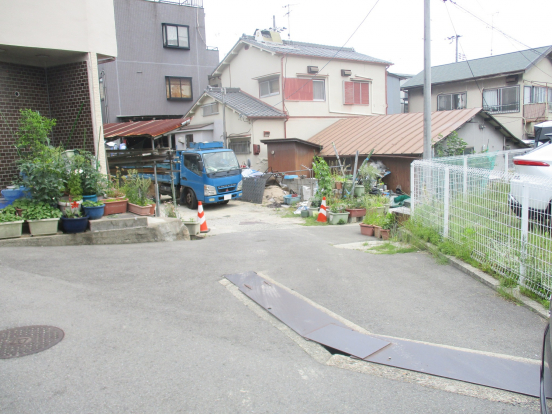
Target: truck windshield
220,161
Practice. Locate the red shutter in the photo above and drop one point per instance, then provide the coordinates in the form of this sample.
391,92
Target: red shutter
357,92
348,92
365,93
298,89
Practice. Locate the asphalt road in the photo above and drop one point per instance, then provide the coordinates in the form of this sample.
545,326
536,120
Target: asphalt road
149,328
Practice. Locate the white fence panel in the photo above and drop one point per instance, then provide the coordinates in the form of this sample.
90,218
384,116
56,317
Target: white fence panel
499,218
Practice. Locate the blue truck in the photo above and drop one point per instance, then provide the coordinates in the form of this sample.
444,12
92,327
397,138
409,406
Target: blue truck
205,172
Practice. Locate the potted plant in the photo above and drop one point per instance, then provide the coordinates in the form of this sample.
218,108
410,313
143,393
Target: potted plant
372,221
356,207
43,219
376,203
21,204
338,181
93,181
192,225
11,225
73,221
74,189
93,209
136,188
337,214
386,226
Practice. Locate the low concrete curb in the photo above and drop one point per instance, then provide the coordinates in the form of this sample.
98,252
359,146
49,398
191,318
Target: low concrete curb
158,230
486,279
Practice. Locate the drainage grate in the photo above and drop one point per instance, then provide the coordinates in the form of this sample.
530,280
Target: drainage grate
27,340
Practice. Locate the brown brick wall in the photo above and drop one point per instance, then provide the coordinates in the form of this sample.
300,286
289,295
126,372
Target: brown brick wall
30,84
68,89
66,86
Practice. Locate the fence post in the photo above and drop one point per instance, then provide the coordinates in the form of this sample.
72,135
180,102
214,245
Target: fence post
465,185
412,188
446,203
506,163
524,230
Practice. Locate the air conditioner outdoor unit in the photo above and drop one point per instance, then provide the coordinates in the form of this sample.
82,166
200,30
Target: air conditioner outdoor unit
346,72
312,69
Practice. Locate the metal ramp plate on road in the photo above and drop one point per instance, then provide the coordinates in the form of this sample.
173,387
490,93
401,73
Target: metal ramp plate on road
504,373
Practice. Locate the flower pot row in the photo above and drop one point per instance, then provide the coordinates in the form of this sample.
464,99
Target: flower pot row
43,227
377,231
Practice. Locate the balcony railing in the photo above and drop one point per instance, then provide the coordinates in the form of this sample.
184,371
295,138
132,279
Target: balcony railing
502,109
533,112
190,3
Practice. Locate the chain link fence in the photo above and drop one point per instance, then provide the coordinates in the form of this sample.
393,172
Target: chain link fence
498,217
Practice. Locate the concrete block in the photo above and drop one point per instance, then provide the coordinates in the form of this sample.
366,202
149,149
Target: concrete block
118,223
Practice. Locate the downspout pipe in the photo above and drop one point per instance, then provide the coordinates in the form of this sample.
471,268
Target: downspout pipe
284,95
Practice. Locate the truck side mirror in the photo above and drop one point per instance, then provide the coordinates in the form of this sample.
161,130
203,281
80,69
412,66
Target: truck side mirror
200,165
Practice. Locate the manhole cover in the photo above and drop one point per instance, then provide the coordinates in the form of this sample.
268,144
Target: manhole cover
27,340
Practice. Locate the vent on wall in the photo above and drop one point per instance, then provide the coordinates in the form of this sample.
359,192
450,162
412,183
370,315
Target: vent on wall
346,72
512,79
312,69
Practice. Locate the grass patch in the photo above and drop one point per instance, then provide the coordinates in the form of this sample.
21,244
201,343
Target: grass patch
508,296
311,221
288,213
532,295
390,248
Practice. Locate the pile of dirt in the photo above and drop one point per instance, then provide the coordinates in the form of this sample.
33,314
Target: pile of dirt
273,194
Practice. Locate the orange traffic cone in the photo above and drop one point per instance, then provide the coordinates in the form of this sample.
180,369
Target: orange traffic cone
322,212
201,217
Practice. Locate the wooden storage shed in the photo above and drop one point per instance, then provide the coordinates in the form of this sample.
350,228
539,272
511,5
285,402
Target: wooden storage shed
291,155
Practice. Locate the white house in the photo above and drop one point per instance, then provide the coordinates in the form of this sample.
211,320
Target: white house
287,89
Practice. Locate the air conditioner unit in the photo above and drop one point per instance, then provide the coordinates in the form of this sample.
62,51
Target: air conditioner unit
346,72
312,69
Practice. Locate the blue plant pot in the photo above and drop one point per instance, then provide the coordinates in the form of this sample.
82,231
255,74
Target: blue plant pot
4,202
92,197
94,213
74,225
12,194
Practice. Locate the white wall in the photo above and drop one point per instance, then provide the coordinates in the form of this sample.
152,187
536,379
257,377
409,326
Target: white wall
73,25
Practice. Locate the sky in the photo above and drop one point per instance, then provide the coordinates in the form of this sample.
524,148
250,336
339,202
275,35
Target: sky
394,29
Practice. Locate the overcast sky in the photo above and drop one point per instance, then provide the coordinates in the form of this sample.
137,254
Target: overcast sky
393,31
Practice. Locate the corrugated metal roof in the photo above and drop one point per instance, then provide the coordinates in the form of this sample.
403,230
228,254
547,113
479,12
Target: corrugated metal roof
398,134
312,49
245,104
142,128
488,66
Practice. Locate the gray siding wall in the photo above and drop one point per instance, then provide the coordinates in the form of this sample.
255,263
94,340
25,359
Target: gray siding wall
135,82
393,95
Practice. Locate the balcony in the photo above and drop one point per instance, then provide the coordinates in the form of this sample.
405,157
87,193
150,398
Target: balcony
535,112
190,3
501,109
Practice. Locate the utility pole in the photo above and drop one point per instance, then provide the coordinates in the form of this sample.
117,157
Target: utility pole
288,7
455,38
223,90
427,82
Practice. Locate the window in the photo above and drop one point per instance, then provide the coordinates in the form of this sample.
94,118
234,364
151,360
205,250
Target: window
210,109
299,89
240,146
175,36
189,138
269,87
534,94
191,162
318,90
356,93
501,99
179,88
450,101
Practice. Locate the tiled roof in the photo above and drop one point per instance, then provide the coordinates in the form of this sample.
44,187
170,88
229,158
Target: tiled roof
245,104
311,49
399,134
142,128
492,65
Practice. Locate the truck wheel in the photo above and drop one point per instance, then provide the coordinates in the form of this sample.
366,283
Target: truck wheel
191,200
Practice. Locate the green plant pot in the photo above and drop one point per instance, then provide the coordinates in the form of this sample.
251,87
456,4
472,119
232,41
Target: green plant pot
44,227
304,213
334,218
192,226
11,229
313,211
359,190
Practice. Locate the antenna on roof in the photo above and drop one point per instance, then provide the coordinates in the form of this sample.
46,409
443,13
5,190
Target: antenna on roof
452,38
492,30
288,13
